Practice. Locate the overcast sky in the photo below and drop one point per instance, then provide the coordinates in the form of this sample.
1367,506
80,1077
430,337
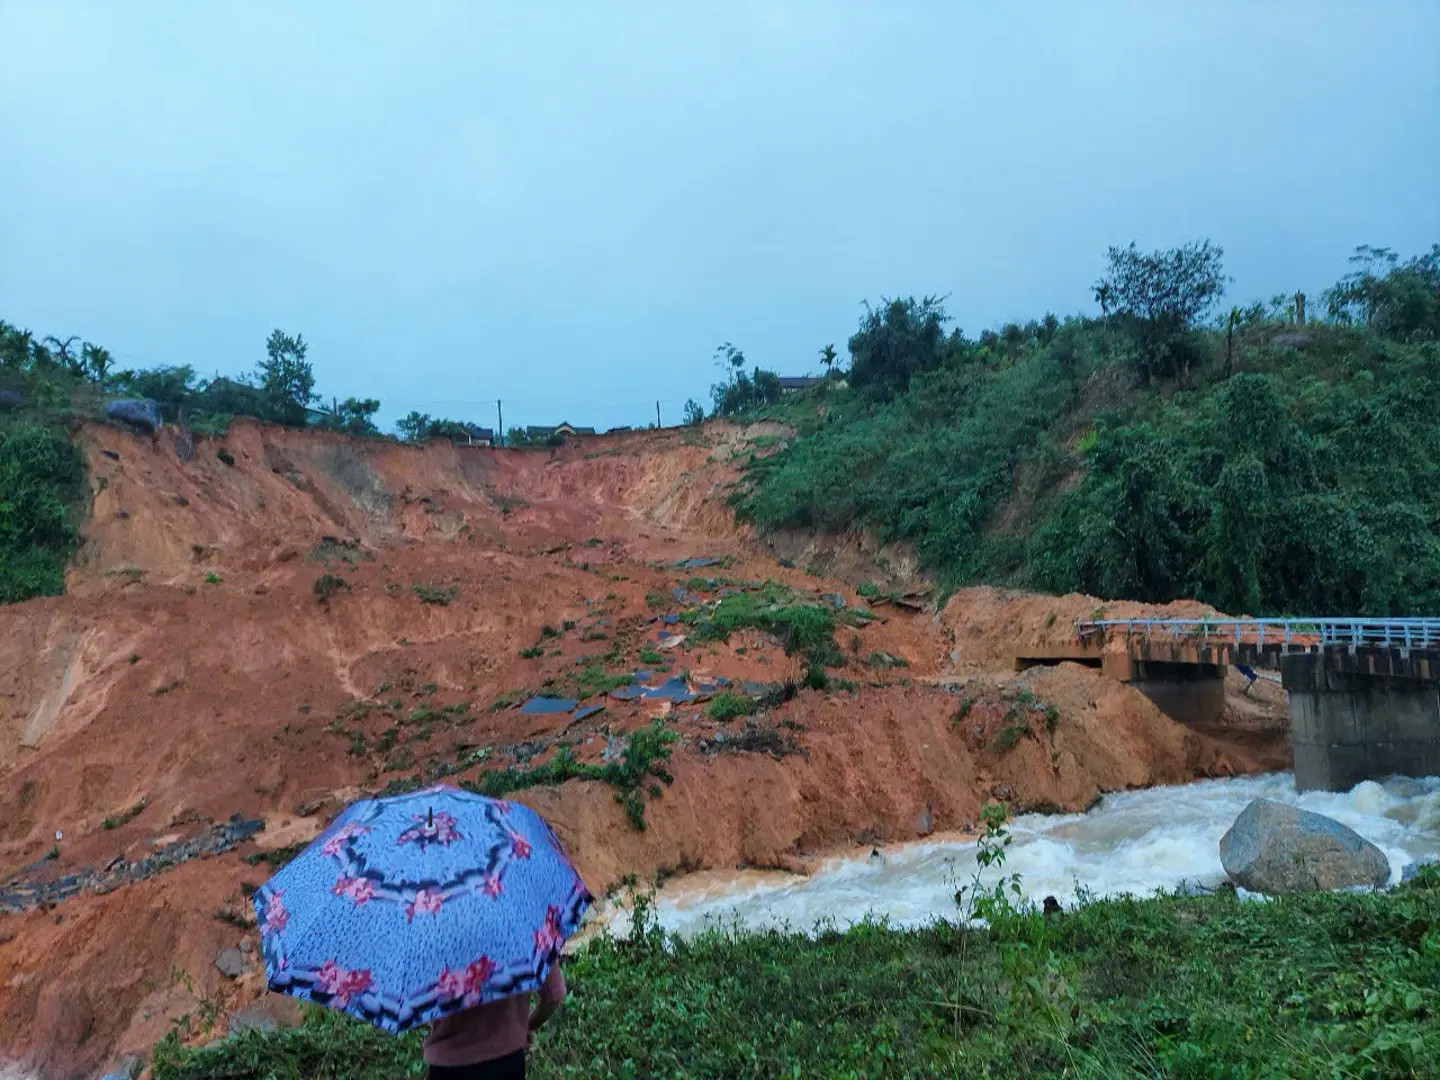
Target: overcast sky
568,205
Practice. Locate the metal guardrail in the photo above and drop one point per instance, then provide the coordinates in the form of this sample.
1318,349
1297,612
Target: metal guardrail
1297,633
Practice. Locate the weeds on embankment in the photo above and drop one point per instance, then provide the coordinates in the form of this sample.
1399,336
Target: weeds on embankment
1208,986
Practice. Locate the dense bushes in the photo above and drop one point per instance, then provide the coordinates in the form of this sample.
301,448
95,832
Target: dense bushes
42,480
1275,468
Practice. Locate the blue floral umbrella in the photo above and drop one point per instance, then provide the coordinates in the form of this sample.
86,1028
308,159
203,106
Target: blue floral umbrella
409,908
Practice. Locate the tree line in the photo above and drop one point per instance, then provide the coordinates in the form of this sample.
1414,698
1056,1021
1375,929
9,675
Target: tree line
1266,458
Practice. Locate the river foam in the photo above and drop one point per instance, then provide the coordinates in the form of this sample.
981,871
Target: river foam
1133,843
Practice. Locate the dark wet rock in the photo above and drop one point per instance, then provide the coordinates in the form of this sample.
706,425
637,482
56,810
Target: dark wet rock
144,415
17,895
697,563
1274,848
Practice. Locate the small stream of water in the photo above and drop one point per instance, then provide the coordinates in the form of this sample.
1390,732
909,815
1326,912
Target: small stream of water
1133,842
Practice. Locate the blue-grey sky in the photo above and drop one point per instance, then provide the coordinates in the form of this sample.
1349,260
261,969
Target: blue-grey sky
568,205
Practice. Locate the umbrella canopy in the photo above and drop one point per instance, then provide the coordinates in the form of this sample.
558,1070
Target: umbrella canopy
409,908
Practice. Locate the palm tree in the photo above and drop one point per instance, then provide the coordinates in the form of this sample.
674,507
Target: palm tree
828,357
72,364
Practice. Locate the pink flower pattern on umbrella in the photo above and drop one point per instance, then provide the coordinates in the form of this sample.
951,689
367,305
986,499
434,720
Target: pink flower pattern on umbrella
340,983
466,986
551,936
431,829
361,890
346,832
472,877
275,914
426,902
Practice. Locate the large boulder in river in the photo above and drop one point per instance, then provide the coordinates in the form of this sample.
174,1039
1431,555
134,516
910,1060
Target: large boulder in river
1274,848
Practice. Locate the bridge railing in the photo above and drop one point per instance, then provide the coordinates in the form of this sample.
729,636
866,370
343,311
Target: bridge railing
1290,633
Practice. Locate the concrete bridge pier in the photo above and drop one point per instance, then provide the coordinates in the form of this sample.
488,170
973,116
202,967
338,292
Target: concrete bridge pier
1347,726
1192,694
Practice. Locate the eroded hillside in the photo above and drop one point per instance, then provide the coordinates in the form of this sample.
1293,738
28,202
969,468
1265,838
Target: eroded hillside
261,627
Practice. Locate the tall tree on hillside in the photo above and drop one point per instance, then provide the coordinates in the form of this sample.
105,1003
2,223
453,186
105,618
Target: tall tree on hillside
71,362
1159,297
1399,300
286,378
97,361
897,340
355,416
828,357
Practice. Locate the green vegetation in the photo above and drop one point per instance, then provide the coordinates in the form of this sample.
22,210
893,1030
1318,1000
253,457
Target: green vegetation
1258,462
275,858
435,594
1191,987
42,488
773,608
741,391
125,816
1009,737
593,680
327,585
532,652
646,751
727,705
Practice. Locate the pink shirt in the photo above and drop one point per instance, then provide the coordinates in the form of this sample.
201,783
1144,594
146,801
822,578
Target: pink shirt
489,1031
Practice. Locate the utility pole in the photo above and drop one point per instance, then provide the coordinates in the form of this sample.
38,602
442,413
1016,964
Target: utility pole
657,415
499,424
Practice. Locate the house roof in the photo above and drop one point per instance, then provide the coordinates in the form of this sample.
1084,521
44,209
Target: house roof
799,382
541,431
478,432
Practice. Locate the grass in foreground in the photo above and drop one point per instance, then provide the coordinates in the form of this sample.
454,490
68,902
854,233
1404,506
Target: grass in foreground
1319,985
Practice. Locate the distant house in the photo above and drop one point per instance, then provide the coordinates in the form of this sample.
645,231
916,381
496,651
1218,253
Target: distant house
790,383
542,432
479,436
619,430
318,417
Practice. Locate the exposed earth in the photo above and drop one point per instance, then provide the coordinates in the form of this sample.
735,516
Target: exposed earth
263,628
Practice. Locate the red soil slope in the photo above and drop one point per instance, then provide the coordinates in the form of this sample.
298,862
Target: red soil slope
193,674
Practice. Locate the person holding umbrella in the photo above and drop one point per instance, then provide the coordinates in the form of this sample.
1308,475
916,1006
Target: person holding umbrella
489,1042
435,907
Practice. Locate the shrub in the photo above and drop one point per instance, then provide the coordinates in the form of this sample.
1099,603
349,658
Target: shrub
327,585
727,705
434,594
42,478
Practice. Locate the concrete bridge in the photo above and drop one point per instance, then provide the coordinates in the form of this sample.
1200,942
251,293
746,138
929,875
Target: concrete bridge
1364,693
